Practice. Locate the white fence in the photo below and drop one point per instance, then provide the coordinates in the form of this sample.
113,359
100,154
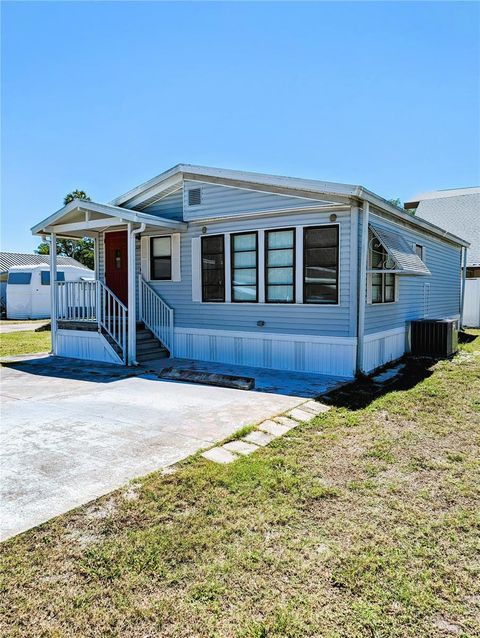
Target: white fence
471,305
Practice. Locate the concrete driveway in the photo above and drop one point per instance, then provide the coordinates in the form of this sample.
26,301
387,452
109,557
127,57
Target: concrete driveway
73,431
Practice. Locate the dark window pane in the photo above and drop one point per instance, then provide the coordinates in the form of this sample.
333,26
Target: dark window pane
320,265
19,278
160,258
213,270
322,293
321,237
161,268
45,277
213,293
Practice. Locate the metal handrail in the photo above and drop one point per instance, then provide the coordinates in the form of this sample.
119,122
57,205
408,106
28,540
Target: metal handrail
156,314
112,317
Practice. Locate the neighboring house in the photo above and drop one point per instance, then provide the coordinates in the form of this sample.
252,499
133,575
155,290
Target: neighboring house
252,269
458,211
26,295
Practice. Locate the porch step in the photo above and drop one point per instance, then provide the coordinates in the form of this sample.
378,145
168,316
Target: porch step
149,347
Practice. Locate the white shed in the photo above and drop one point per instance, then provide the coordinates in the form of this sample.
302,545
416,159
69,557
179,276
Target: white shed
28,288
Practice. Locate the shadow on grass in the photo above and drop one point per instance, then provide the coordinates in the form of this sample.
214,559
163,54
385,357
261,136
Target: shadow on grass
360,393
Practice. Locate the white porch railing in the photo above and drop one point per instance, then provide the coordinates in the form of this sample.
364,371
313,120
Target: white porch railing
93,301
112,317
76,300
156,314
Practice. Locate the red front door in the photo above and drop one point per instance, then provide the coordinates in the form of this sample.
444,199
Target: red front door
116,264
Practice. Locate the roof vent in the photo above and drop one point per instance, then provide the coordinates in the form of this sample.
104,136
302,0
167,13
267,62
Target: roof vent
194,197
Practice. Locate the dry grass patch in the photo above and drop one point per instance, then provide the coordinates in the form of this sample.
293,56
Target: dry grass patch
360,523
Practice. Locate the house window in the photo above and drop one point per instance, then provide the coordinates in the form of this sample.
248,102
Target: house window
20,278
213,268
383,287
419,250
160,258
244,266
472,272
280,266
382,284
45,277
320,265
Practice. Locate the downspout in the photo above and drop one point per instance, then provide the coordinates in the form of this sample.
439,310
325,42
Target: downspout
132,297
362,287
464,276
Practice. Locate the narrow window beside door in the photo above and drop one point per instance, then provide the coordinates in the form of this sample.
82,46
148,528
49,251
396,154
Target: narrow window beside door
213,268
244,266
161,258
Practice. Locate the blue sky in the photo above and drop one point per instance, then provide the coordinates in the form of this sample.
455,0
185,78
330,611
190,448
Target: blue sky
102,96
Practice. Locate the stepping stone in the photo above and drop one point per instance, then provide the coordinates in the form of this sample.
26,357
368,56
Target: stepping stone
276,428
285,422
300,415
314,407
240,447
259,438
219,455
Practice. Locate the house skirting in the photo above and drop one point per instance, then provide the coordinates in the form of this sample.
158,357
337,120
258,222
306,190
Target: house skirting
334,356
82,344
382,347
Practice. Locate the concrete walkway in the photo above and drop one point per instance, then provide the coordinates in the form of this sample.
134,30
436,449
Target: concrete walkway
72,431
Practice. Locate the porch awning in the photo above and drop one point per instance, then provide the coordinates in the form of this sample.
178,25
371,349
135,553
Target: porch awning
407,262
79,218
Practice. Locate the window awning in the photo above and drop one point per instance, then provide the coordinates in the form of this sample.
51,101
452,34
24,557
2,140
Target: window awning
407,262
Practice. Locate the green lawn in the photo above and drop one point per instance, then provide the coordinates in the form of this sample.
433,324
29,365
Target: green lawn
24,342
359,524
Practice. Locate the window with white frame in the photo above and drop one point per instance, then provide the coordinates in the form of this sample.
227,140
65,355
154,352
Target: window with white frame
160,258
244,267
280,266
382,284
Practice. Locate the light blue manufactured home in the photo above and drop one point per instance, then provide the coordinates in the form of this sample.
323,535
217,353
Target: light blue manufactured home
251,269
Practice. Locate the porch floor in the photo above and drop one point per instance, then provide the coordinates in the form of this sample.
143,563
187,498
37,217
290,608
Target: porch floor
300,384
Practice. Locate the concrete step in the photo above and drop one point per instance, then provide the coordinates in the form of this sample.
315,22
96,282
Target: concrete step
161,354
149,347
145,335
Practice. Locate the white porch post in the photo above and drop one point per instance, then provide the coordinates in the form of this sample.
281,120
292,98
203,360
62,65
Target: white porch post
53,290
362,287
132,311
96,257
